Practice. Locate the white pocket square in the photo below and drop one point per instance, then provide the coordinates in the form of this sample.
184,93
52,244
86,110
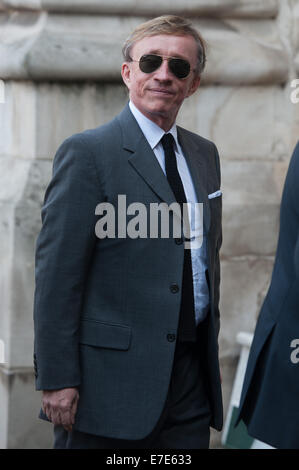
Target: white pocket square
216,194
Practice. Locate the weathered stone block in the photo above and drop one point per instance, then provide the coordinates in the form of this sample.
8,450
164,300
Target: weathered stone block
36,118
18,121
246,123
19,225
261,117
76,107
247,8
244,284
253,183
251,202
250,229
51,46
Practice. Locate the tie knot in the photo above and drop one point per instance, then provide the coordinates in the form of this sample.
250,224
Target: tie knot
167,141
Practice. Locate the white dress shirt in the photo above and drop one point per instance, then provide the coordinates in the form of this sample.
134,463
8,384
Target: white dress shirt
153,134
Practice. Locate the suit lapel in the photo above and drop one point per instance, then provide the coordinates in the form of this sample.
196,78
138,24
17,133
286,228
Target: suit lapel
198,169
142,157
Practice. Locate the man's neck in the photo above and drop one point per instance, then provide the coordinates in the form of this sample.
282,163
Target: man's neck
164,122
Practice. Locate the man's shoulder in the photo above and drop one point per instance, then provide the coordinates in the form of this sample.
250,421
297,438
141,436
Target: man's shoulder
198,139
206,149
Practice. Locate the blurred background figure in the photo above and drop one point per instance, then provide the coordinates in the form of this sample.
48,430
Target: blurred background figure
269,400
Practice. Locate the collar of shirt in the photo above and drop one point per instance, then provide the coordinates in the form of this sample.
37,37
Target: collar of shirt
152,132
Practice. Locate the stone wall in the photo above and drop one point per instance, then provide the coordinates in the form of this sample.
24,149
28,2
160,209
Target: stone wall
60,64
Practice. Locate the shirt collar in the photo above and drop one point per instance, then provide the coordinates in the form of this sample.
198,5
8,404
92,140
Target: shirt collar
152,132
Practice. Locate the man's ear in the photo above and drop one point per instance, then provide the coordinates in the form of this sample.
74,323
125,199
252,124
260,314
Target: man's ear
126,74
194,85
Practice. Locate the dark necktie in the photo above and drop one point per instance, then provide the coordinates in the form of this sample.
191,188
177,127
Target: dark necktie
187,327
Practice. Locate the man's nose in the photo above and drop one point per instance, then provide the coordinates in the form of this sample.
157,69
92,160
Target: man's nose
163,72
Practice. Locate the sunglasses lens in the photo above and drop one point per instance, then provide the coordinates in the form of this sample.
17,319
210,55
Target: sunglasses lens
179,67
149,63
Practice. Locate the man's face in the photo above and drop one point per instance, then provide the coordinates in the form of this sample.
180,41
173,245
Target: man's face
159,94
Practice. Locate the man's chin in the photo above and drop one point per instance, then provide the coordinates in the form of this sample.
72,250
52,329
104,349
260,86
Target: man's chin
160,109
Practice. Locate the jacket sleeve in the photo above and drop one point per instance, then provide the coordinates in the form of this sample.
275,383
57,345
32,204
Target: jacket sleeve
64,251
217,257
292,181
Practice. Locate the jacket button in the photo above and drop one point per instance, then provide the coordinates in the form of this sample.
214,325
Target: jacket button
170,337
174,288
178,241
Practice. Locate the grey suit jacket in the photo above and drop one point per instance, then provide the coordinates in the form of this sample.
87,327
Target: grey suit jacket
105,311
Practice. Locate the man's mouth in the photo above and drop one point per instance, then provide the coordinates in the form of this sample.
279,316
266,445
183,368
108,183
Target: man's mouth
161,91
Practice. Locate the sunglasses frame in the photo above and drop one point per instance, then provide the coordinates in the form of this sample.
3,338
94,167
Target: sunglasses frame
169,59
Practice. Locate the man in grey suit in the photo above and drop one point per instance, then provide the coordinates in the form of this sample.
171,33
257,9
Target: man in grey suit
126,327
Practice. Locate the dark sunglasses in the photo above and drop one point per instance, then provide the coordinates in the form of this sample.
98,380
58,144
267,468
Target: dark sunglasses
148,63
